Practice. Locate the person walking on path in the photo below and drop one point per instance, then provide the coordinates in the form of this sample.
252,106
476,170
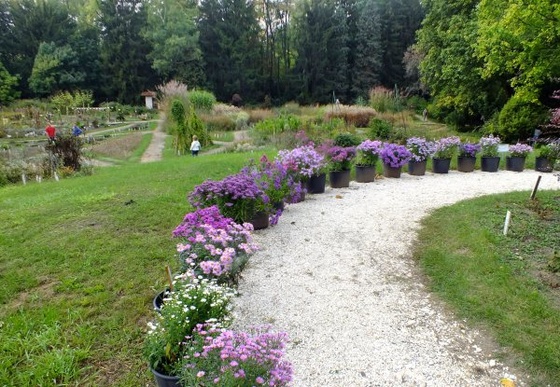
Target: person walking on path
195,146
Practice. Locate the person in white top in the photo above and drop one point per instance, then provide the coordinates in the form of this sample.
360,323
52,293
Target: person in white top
195,146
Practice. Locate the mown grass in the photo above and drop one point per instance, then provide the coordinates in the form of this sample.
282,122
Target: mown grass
502,282
80,261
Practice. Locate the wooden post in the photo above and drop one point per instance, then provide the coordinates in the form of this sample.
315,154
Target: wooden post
534,193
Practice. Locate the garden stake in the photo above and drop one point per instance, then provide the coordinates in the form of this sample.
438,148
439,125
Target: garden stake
536,187
506,224
23,179
168,273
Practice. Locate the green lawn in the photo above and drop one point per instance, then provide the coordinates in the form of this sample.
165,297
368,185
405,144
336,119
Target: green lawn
503,283
80,261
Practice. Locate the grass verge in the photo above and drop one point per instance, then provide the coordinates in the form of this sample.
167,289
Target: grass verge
502,282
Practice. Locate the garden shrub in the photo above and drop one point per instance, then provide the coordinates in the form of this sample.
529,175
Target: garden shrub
382,100
202,100
347,140
518,119
241,121
67,151
379,129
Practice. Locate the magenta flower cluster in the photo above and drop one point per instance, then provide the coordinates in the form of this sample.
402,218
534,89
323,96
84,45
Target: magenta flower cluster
420,148
367,153
230,358
340,158
304,160
394,155
213,245
520,150
446,147
468,149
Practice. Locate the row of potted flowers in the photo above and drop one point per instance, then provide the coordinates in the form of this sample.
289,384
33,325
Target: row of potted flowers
190,342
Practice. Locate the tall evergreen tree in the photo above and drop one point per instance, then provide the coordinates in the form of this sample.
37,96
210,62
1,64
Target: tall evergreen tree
229,39
322,46
369,54
24,25
124,50
400,20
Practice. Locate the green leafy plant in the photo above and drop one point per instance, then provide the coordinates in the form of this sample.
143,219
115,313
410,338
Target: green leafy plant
202,99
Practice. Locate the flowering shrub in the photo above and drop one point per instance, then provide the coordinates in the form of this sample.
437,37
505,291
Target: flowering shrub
395,155
520,150
468,149
213,245
446,147
236,359
304,161
367,153
192,302
489,145
340,158
420,148
237,196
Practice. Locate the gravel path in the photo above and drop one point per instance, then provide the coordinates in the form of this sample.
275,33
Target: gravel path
336,273
155,149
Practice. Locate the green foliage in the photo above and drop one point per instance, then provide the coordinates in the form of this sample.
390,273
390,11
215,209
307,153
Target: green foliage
7,86
66,151
182,139
202,100
347,140
519,119
379,129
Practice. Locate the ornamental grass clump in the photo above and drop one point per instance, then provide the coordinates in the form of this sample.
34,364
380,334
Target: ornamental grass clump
340,158
489,146
446,147
394,155
213,245
468,149
303,161
367,153
519,150
192,302
420,148
237,196
237,359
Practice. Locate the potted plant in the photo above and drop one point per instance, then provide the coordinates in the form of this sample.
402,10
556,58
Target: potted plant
277,183
213,246
339,163
192,302
445,150
237,196
231,358
367,154
467,156
394,156
307,164
421,150
548,154
490,160
517,155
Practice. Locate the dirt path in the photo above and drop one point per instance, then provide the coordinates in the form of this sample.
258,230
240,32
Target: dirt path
155,149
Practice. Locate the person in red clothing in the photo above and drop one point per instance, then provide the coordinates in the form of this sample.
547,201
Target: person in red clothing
50,130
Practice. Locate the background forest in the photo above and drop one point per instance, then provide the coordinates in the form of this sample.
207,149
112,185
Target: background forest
489,64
